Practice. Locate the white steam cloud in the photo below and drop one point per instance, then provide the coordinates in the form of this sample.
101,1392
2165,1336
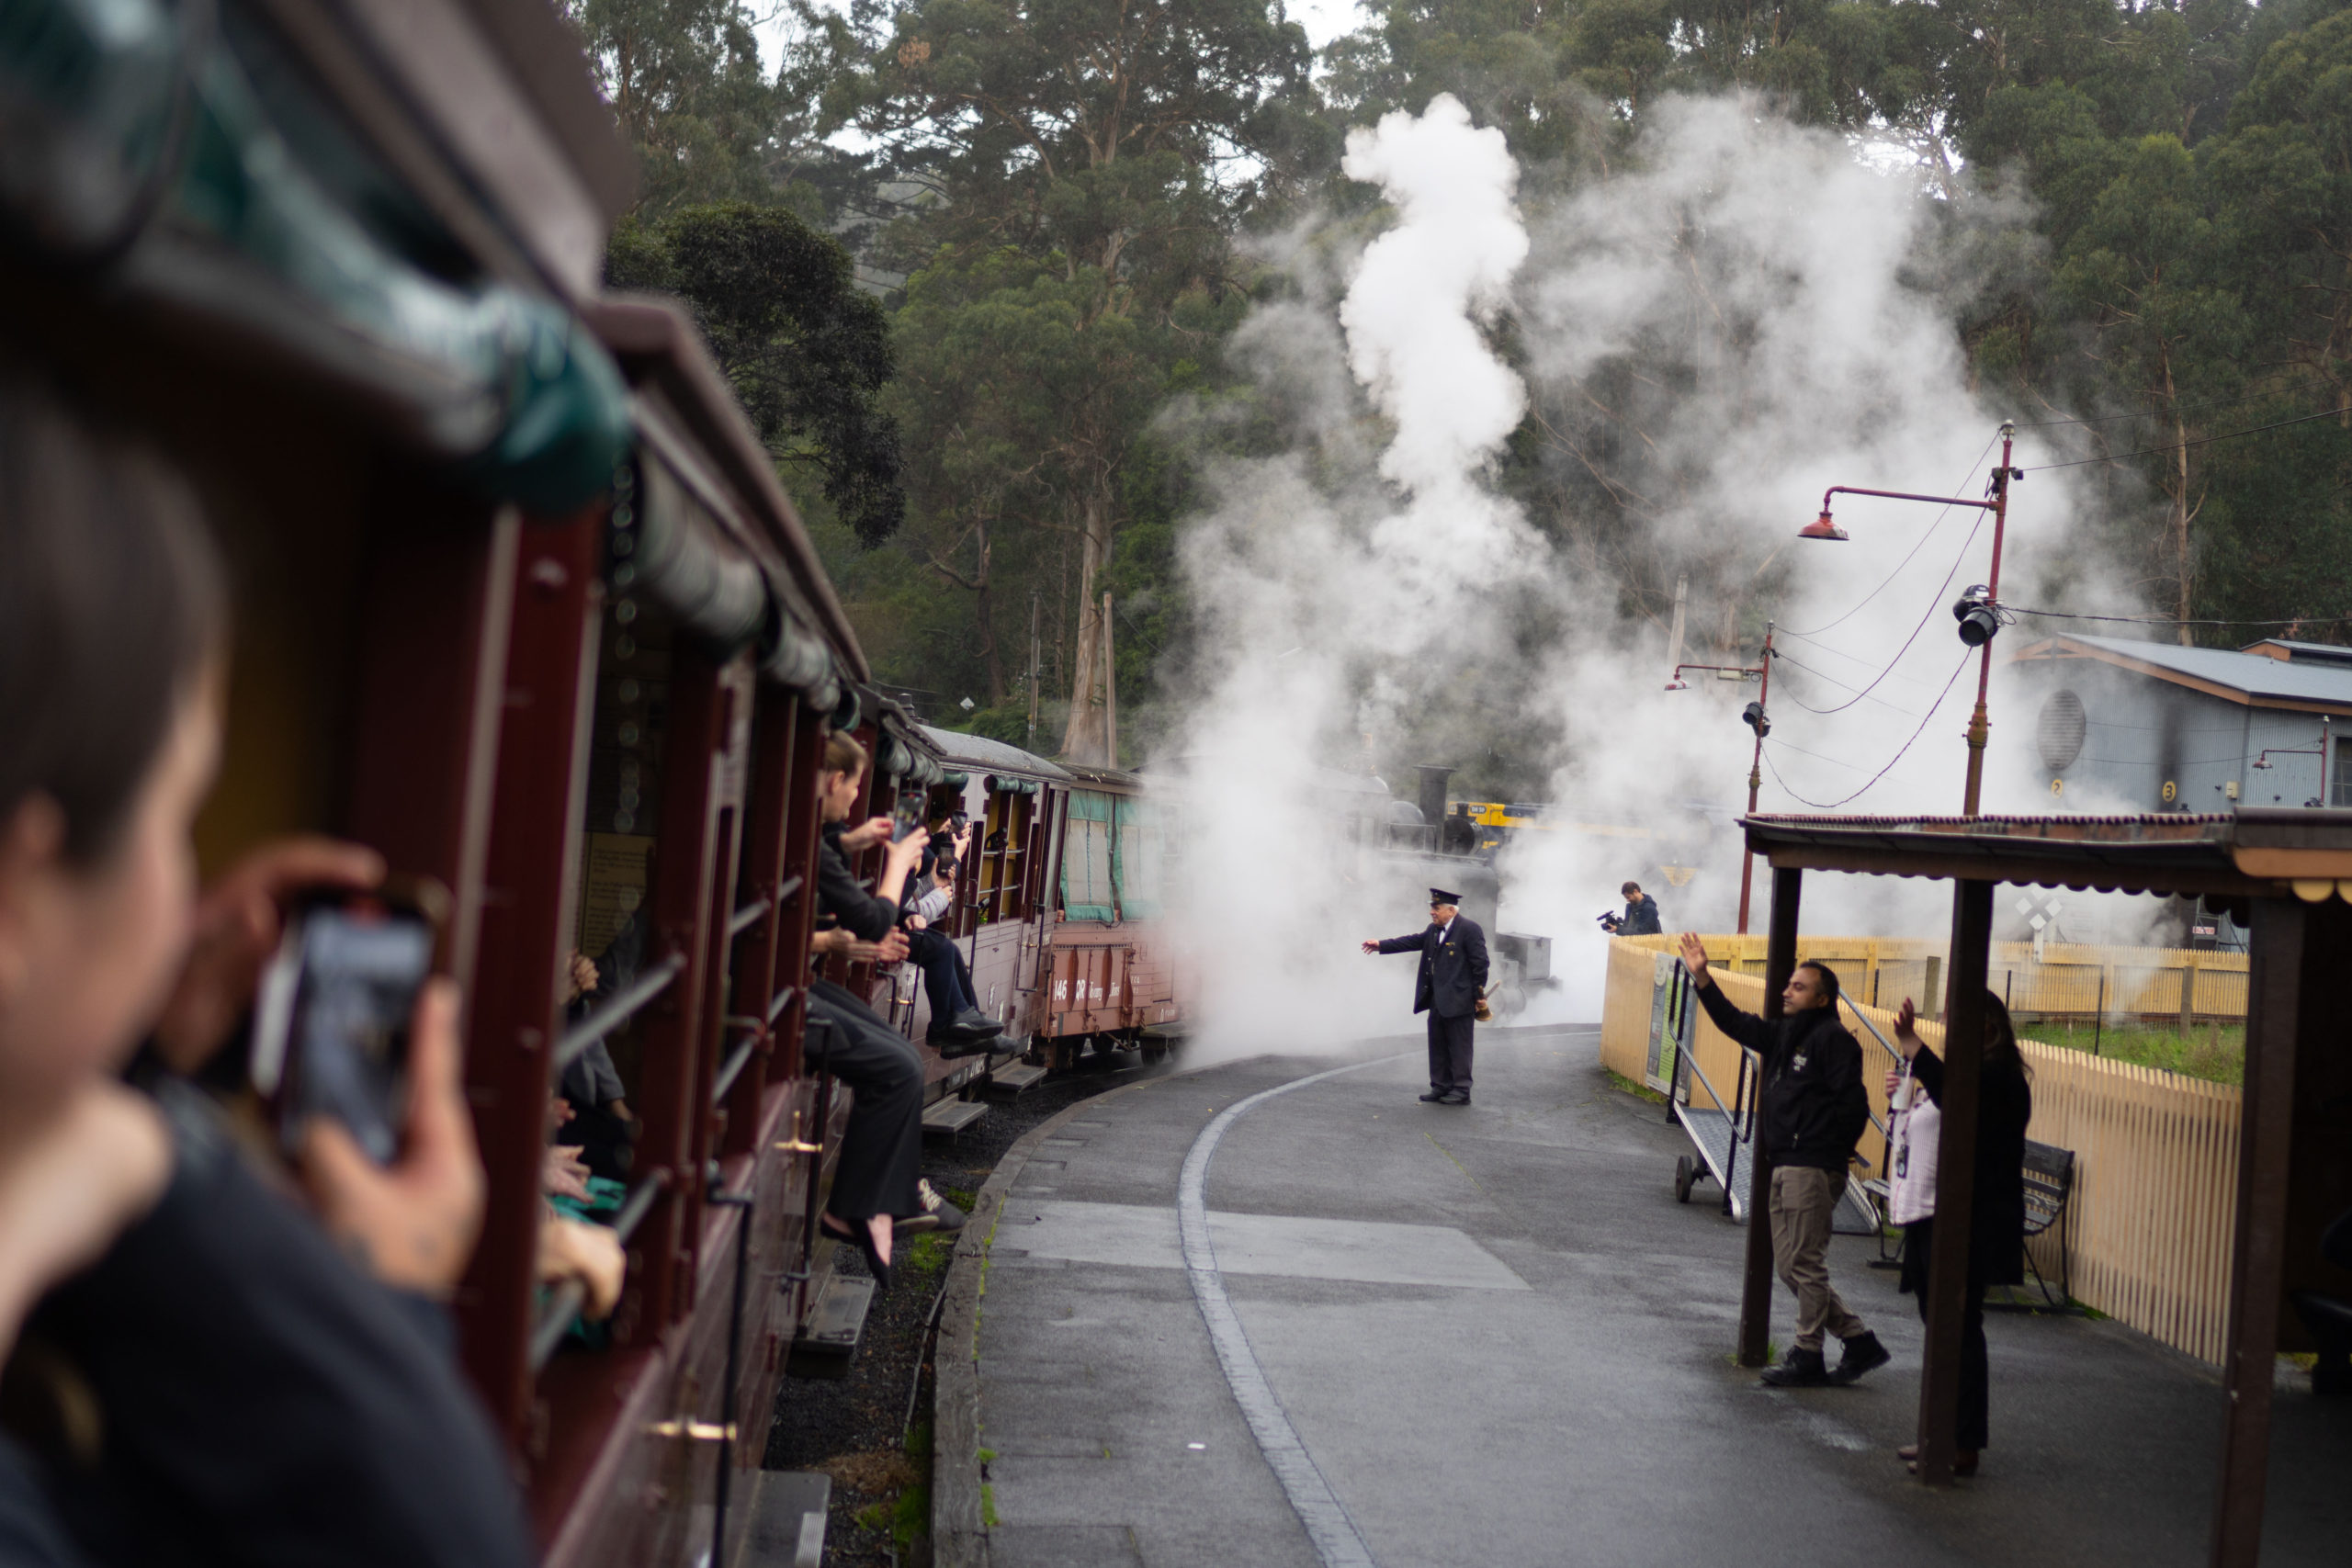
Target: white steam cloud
1744,317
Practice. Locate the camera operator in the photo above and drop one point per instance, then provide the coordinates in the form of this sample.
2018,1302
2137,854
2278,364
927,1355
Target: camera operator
1641,917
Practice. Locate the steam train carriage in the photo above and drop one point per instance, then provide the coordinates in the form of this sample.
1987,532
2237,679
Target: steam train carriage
1057,904
521,604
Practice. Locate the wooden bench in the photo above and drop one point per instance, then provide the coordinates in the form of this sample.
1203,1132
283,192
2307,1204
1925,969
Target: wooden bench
2049,1183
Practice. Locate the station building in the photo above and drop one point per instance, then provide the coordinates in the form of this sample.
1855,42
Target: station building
2126,725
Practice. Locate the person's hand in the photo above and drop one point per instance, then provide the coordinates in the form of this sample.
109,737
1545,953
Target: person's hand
1894,1082
237,923
572,1249
830,941
866,834
1694,958
1372,947
1906,1038
908,852
413,1222
68,1186
917,924
579,977
891,949
559,1111
563,1174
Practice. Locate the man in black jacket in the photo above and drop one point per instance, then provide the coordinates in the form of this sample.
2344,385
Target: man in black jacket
1812,1113
1641,917
1452,977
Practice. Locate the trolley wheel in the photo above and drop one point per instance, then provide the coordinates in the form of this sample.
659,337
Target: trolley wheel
1686,1173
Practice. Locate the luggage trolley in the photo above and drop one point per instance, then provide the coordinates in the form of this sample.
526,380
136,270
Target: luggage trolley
1721,1130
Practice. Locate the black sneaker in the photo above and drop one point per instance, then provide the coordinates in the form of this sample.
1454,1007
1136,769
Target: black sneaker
1799,1369
1434,1096
1863,1353
1454,1097
976,1024
938,1214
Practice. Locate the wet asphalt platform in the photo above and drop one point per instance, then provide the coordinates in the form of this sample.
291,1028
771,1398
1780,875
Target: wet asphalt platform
1420,1337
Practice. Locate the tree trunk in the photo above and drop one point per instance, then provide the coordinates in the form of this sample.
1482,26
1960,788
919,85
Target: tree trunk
2182,632
983,607
1083,735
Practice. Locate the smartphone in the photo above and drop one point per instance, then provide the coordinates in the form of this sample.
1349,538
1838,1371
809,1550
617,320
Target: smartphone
902,827
331,1023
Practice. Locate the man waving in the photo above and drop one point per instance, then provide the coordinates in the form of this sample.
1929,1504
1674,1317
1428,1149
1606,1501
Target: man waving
1453,974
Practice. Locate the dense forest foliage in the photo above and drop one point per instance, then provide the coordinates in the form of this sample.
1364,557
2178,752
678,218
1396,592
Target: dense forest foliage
1056,209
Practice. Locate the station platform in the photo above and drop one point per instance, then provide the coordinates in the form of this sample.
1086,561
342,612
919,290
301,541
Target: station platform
1428,1337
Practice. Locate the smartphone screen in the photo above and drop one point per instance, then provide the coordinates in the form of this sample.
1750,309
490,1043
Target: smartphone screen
331,1023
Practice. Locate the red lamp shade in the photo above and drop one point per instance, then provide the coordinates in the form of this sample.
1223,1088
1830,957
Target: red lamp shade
1678,684
1822,528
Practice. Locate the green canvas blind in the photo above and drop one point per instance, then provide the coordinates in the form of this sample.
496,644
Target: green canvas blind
1087,857
1138,852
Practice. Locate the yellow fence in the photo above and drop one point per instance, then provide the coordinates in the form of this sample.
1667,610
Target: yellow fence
2179,986
2147,1233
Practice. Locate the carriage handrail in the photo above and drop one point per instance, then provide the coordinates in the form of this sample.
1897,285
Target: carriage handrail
562,1305
1883,1044
639,1203
731,1069
749,915
617,1011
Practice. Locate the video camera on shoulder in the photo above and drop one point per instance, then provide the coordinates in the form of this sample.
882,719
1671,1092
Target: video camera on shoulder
1610,920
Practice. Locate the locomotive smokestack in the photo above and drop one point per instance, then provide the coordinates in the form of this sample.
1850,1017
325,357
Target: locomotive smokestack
1433,780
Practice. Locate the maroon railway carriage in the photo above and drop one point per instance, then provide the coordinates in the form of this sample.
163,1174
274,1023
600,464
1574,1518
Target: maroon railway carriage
521,604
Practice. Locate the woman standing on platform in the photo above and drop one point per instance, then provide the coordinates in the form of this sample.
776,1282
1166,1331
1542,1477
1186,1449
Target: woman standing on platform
1996,1229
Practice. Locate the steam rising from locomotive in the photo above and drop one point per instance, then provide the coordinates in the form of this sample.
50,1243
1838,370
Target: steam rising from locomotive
1749,313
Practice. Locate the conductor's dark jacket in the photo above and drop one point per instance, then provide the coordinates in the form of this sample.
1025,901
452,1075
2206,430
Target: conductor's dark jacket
1996,1211
1452,971
1813,1106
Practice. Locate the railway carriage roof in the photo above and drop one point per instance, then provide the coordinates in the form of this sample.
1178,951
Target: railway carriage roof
2256,853
977,753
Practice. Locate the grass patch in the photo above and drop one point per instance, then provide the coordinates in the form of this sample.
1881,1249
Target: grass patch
965,1198
988,1505
931,1252
2213,1051
1624,1085
874,1516
918,1441
911,1518
984,1455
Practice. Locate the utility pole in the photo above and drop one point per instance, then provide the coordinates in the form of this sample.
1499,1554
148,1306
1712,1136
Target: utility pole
1674,643
1979,610
1109,693
1758,719
1037,607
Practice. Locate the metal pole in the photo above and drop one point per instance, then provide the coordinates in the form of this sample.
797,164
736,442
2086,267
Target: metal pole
1948,1264
1978,725
1755,1277
1755,766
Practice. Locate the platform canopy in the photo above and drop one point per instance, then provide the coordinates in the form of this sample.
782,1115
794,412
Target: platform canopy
2253,853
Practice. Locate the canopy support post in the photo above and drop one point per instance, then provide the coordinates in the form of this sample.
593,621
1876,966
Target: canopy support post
1947,1264
1756,1284
2265,1128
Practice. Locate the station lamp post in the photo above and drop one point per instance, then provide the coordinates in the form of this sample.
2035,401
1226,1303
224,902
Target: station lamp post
1978,611
1754,716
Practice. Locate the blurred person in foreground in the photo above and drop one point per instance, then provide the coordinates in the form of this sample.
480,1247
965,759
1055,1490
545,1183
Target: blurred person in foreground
1452,977
1641,917
879,1185
1812,1110
238,1375
1996,1213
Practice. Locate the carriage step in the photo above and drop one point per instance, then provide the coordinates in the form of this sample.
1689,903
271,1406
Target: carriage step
787,1528
950,1117
827,1342
1006,1082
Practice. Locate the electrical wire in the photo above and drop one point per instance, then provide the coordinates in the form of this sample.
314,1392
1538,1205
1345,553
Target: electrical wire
1932,606
1843,685
2202,403
1906,561
1833,804
2175,621
2184,445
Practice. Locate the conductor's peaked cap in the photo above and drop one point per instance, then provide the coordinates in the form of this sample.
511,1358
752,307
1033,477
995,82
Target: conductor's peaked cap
1440,896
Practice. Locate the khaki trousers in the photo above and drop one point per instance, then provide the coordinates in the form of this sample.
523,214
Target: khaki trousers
1802,1200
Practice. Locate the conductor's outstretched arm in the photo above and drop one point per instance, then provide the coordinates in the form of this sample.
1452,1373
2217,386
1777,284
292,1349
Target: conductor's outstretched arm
1397,943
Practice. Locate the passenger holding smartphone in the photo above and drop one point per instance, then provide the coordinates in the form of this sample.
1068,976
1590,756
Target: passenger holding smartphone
275,1383
879,1179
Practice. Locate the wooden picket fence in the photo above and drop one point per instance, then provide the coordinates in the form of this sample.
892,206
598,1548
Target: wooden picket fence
2148,1231
2066,982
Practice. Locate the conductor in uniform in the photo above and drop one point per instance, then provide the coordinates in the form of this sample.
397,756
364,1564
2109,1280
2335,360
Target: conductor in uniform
1453,974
